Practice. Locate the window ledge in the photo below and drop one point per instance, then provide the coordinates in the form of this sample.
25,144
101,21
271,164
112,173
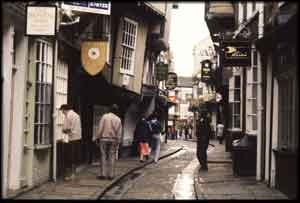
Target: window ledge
42,146
27,147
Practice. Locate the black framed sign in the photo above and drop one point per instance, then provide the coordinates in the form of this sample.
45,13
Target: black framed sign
236,53
171,82
206,71
161,71
41,20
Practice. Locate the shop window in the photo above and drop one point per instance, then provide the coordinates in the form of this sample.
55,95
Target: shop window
129,35
287,114
235,103
61,93
43,95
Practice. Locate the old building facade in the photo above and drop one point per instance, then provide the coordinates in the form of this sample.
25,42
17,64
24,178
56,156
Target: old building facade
261,99
41,73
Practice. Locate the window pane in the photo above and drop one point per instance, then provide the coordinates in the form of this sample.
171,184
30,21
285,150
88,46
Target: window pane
38,51
36,133
237,95
254,91
236,121
237,108
237,81
254,106
254,57
254,123
254,74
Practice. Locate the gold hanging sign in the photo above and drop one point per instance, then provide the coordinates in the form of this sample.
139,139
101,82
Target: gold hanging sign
93,56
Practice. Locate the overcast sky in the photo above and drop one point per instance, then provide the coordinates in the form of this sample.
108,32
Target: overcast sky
187,28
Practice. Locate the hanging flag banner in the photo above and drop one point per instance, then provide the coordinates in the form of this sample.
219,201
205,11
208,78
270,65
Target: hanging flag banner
93,56
161,71
171,82
97,7
206,71
236,53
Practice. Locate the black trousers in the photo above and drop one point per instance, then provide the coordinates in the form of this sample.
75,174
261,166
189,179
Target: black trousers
71,153
202,154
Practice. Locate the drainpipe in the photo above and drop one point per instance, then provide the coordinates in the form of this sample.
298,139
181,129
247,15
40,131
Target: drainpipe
260,107
54,113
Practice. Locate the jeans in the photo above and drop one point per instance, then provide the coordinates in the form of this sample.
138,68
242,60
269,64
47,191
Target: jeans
202,154
157,147
108,157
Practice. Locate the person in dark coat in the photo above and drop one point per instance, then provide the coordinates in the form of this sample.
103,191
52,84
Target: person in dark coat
142,137
203,132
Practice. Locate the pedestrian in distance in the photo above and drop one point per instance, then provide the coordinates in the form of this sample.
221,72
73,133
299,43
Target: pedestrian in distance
142,135
155,129
220,130
203,132
72,137
186,132
108,138
190,132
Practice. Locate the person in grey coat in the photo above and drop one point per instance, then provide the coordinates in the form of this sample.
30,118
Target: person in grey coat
108,138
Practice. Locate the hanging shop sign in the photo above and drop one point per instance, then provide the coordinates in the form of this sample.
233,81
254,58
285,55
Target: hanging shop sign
97,7
161,71
41,20
93,56
206,71
171,82
236,53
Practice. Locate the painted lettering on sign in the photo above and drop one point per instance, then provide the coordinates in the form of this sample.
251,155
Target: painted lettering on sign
236,53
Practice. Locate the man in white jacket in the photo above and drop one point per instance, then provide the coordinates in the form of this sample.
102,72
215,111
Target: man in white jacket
108,138
72,130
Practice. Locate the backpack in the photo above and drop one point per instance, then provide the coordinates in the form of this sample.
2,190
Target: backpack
155,127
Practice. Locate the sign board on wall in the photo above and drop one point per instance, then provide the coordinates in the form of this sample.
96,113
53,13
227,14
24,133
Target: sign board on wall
97,7
236,53
161,71
41,20
206,69
171,81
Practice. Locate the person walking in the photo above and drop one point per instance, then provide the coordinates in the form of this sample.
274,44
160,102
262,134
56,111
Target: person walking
186,132
142,136
72,137
108,138
155,129
203,132
220,128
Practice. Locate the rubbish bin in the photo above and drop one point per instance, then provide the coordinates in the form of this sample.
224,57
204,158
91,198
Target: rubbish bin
244,156
229,137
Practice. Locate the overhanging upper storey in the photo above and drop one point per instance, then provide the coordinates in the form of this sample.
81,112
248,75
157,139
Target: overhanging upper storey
220,17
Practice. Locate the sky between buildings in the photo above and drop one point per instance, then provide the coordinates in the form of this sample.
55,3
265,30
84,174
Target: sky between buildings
187,28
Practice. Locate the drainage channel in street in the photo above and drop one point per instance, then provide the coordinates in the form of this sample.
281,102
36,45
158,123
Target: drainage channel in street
184,185
118,190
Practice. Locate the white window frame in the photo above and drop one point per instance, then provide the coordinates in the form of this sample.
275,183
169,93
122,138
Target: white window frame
124,68
61,91
233,102
253,83
42,119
